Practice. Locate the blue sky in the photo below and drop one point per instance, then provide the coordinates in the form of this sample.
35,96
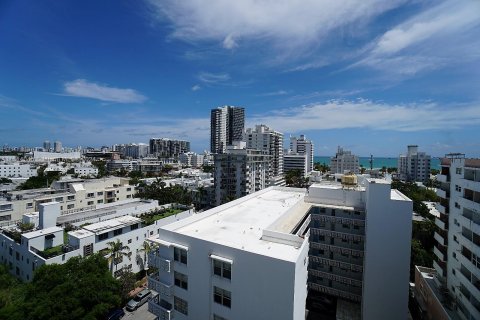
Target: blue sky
372,76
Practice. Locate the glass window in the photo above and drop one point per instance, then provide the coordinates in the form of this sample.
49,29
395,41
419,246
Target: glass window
181,280
180,305
180,255
222,269
222,297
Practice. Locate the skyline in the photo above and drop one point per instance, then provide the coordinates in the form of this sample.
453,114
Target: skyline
371,77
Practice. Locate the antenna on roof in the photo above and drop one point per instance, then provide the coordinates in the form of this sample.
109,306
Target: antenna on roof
371,162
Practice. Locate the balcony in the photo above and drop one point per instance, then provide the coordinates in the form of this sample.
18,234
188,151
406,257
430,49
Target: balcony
440,255
470,184
469,203
163,289
442,178
439,239
440,267
334,292
439,223
161,308
441,193
155,260
440,208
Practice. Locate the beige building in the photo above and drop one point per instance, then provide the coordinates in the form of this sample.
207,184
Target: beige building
72,194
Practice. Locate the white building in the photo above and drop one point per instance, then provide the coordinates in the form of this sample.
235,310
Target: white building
240,260
457,250
191,159
134,150
33,249
239,172
17,170
344,162
86,171
414,166
249,258
72,194
265,139
303,146
295,161
50,156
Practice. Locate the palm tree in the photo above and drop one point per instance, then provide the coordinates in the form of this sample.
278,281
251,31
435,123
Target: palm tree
116,251
146,248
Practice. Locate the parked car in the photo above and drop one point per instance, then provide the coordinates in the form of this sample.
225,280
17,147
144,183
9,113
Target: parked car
115,314
141,297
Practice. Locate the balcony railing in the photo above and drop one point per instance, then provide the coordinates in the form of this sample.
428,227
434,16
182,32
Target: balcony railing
155,260
335,277
334,292
335,263
161,308
163,289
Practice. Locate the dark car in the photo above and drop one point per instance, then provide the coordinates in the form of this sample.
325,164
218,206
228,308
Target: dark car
115,314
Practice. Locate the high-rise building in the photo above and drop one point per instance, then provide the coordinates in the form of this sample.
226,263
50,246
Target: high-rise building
227,125
456,279
239,171
168,148
303,146
344,161
414,166
265,139
46,145
295,161
134,150
57,146
348,245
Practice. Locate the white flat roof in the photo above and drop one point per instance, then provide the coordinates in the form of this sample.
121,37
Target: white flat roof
239,224
109,225
42,232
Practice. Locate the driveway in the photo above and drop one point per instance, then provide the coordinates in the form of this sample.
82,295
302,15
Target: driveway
141,313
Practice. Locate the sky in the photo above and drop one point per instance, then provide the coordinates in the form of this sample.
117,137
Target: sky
372,76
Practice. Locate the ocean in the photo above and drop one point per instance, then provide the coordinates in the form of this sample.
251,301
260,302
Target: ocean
378,162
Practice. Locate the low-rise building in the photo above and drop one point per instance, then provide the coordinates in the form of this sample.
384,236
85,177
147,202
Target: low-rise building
17,170
295,161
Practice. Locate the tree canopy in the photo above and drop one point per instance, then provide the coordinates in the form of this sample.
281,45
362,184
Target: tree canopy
82,288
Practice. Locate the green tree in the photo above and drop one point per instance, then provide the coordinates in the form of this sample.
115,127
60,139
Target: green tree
101,166
5,180
116,251
322,167
295,178
146,248
25,226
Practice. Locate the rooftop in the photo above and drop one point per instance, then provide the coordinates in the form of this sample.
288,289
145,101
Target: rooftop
42,232
240,223
112,224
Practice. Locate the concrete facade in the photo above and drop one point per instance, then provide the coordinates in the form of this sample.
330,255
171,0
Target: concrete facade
414,166
303,146
227,125
344,162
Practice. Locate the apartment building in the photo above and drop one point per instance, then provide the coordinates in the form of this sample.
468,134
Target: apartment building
24,253
344,162
414,166
227,125
246,259
295,161
239,172
72,194
191,159
265,139
17,170
303,146
168,148
457,249
255,257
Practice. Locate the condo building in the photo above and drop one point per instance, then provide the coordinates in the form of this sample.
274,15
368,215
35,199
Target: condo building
344,162
260,256
227,125
455,280
240,171
295,161
414,166
265,139
303,146
168,148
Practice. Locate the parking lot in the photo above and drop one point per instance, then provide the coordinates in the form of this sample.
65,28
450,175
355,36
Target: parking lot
141,313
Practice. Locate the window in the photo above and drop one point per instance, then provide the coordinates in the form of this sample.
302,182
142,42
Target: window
457,205
134,226
222,297
222,269
180,255
129,241
180,305
217,317
181,280
103,236
90,203
100,193
70,206
458,170
129,189
69,198
90,195
60,199
117,232
29,205
458,188
100,201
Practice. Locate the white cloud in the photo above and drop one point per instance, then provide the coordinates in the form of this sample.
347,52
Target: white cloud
286,24
212,78
441,35
229,42
345,114
84,89
196,87
274,93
